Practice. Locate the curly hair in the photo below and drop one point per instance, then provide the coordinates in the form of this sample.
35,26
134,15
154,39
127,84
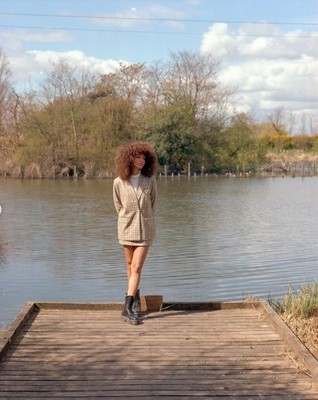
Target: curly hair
125,157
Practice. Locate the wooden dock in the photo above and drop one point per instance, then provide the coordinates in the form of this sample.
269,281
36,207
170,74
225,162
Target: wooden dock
230,350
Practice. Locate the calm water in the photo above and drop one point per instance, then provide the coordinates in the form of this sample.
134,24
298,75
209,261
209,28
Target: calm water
218,239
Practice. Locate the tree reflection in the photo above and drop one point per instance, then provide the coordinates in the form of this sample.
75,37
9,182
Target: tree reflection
3,251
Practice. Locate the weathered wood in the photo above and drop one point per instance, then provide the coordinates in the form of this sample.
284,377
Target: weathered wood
89,306
291,340
206,350
15,328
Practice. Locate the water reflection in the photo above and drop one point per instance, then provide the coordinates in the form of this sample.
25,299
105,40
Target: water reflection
3,250
218,239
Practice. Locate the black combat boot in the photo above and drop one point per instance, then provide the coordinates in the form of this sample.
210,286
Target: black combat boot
127,314
136,307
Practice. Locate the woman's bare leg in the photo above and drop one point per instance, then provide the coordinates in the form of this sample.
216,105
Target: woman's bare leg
135,258
129,252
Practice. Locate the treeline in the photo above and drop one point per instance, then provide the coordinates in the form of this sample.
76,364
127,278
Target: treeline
72,122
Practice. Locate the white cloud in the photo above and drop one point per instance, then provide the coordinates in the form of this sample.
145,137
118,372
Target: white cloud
27,66
12,42
266,41
75,57
275,69
23,64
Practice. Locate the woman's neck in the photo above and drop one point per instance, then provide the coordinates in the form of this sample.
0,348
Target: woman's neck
136,171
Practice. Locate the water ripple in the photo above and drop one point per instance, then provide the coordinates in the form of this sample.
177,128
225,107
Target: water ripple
218,239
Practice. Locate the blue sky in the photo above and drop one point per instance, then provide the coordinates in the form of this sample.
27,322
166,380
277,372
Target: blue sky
268,49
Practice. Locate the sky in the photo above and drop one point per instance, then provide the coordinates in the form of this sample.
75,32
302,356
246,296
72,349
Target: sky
267,49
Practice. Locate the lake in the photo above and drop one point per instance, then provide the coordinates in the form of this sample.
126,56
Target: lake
218,238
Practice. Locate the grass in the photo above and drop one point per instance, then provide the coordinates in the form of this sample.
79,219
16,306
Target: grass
299,310
299,304
3,331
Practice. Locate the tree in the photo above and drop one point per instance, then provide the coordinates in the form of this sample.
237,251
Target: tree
126,85
186,89
193,78
56,117
276,119
9,142
172,137
65,92
5,89
239,147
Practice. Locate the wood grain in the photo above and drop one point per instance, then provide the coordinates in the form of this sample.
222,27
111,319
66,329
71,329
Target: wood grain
208,353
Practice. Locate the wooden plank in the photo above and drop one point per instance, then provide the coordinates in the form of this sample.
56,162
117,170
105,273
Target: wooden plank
216,351
90,306
15,328
207,306
195,373
118,396
302,353
188,306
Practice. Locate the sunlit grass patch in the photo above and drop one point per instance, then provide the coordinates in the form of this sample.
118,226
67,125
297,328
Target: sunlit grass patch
299,310
3,330
299,304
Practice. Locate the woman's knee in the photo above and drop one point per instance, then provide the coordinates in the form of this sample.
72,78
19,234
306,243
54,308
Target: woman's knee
136,268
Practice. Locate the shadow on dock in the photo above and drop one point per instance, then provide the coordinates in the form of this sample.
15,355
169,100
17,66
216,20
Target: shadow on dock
230,350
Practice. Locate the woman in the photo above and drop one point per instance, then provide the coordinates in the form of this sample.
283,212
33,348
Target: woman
135,193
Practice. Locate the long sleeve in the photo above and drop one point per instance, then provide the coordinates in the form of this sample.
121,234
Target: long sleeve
116,196
153,194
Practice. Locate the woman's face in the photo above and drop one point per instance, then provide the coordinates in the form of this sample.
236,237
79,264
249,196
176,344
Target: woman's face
138,163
